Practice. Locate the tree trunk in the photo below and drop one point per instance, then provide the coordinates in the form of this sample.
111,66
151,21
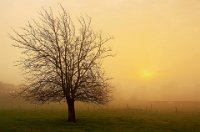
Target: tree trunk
71,110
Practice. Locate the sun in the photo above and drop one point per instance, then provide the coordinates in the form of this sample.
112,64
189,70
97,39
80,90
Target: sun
146,74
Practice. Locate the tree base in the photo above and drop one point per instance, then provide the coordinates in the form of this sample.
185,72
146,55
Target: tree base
71,111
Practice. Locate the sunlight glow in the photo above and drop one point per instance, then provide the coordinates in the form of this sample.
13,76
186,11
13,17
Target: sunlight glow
145,74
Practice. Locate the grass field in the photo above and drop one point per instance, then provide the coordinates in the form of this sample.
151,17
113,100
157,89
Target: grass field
98,121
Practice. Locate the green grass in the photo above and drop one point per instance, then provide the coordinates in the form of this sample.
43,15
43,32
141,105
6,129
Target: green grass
98,121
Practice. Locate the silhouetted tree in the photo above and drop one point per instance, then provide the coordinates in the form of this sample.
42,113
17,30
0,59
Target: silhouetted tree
62,61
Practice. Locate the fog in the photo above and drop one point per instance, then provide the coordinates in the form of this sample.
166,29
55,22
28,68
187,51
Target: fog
156,45
120,101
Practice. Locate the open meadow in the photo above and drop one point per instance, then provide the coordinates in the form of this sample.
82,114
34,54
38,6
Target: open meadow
107,120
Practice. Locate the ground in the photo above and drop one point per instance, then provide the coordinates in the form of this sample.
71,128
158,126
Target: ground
106,120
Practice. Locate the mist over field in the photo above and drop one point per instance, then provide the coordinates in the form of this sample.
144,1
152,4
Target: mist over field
119,101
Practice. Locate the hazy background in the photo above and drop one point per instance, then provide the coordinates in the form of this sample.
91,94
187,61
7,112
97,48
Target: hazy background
157,44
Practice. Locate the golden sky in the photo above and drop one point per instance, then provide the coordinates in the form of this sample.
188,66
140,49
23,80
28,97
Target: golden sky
157,42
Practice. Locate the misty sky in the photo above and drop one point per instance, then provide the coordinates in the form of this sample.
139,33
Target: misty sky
157,43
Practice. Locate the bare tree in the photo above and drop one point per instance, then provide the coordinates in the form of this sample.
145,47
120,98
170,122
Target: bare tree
63,62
